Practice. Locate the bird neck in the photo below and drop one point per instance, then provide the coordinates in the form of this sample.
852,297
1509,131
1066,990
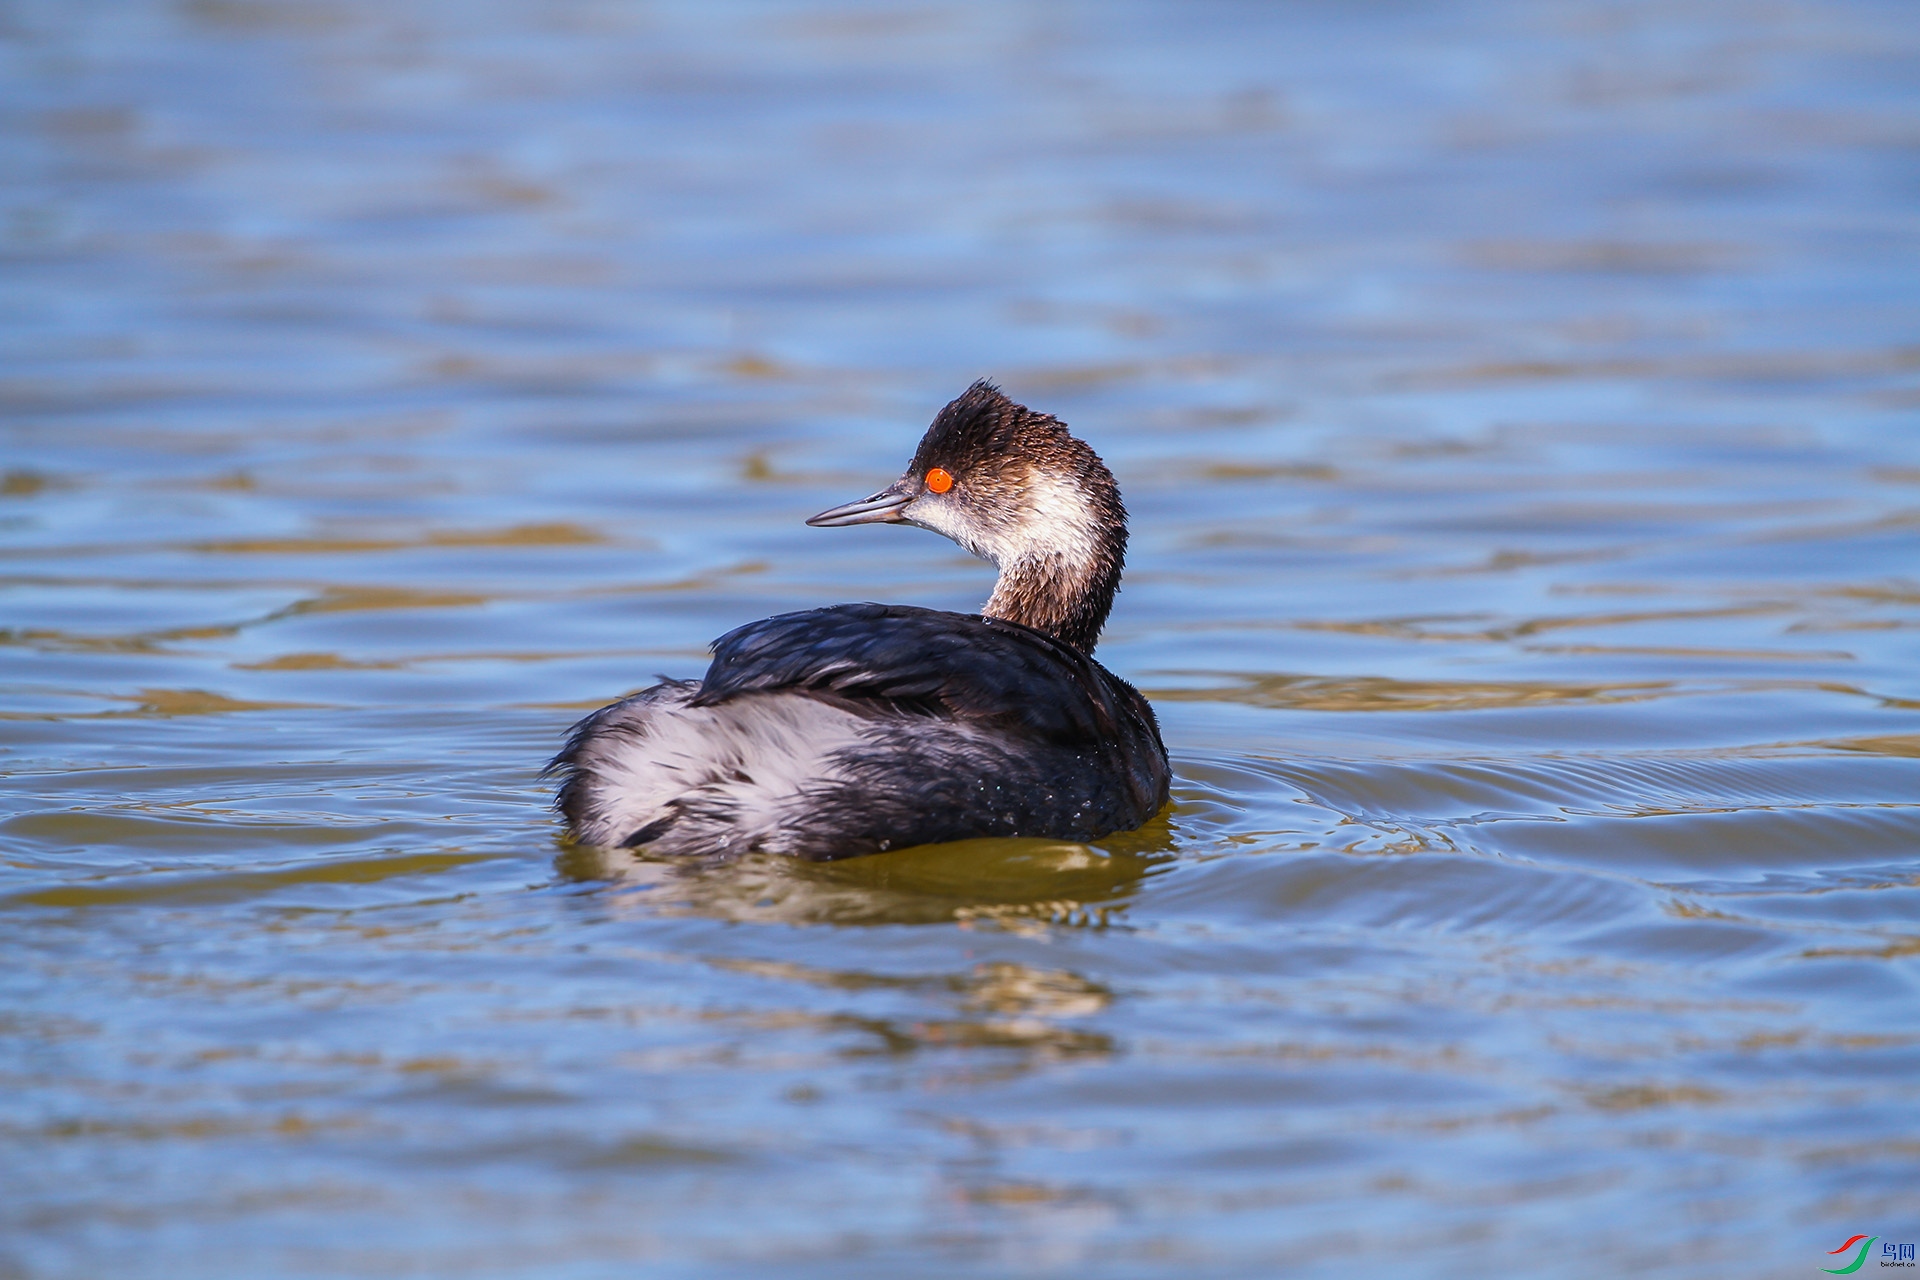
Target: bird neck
1064,594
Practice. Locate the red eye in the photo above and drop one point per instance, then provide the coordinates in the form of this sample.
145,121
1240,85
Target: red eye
939,479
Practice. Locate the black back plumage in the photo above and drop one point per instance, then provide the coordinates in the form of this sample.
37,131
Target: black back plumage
961,666
1056,746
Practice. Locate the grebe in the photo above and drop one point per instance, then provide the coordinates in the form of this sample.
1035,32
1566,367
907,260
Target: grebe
864,727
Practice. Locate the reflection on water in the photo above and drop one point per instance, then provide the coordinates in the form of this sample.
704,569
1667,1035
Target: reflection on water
1003,882
1516,407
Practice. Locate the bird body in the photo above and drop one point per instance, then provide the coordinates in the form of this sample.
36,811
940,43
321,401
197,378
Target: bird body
859,728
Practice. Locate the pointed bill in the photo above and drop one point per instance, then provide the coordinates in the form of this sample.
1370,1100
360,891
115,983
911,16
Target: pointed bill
882,508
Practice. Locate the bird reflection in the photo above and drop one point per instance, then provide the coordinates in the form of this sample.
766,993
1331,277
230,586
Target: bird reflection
1012,884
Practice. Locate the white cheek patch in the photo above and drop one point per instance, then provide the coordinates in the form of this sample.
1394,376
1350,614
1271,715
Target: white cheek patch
948,519
1053,522
1058,523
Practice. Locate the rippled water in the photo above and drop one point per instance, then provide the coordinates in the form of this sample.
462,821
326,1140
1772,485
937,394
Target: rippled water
1517,407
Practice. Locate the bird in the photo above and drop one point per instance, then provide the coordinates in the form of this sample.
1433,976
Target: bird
861,728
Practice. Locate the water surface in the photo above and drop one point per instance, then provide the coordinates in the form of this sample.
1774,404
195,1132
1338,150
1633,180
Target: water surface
1517,408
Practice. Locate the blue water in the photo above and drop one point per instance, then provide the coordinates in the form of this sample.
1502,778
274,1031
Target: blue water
1518,406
